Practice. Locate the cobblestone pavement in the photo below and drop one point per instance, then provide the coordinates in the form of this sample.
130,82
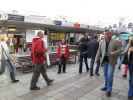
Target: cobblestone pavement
69,86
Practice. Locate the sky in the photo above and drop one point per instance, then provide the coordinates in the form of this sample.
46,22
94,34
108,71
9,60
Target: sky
90,12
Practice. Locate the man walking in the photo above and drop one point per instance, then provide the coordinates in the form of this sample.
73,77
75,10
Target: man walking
93,46
8,60
109,50
38,60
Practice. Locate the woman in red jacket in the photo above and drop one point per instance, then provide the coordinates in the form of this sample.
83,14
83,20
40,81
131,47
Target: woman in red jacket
62,52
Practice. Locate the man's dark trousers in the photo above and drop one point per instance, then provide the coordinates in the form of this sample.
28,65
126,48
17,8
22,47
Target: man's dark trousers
37,70
81,59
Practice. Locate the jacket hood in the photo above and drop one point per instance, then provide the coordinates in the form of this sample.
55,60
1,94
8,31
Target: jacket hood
36,38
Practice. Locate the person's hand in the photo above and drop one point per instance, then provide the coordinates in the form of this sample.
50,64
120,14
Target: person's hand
112,53
46,50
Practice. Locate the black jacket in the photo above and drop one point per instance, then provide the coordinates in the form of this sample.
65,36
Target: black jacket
93,47
83,47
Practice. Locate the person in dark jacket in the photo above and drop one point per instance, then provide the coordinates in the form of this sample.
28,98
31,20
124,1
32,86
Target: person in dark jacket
83,49
39,61
130,67
93,47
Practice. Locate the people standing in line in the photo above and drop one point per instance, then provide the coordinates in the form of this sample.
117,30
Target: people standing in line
93,47
39,61
109,50
8,60
62,53
130,67
83,49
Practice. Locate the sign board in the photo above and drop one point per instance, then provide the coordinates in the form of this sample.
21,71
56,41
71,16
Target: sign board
92,27
15,17
76,25
38,19
83,26
57,22
67,24
71,34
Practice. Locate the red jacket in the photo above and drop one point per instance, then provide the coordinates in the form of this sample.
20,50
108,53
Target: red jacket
38,50
63,49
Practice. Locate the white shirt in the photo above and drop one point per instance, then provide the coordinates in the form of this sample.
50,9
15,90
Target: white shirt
6,49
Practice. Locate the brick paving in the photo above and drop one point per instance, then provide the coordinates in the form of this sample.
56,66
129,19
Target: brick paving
69,86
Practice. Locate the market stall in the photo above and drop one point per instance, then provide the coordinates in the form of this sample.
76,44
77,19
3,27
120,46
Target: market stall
27,25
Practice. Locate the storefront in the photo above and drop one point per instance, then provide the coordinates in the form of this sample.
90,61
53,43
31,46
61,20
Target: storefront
25,30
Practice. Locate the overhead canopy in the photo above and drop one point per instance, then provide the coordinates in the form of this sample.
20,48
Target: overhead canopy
22,26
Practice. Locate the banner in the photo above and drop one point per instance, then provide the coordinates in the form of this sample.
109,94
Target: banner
76,25
38,20
15,17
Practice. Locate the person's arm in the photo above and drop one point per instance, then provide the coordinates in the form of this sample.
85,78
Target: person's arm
97,58
118,48
130,50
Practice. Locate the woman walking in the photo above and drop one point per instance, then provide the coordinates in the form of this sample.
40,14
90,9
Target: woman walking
130,66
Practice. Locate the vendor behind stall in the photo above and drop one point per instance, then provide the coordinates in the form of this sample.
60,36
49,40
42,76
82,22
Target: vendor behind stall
63,54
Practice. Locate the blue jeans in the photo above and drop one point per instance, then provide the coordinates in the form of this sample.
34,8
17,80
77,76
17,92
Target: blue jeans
130,91
11,68
120,60
108,75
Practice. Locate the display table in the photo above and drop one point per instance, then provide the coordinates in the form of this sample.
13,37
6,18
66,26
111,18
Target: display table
24,63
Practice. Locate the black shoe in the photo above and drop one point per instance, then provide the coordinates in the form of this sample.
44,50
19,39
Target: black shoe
80,72
88,70
108,94
50,82
35,88
91,75
124,76
97,74
130,98
103,89
58,72
15,81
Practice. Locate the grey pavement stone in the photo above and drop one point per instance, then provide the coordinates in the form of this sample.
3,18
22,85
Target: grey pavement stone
69,86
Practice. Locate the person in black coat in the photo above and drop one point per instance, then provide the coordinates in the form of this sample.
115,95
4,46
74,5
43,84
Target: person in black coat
83,49
93,47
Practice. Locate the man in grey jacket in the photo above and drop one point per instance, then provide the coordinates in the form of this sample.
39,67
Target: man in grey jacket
109,50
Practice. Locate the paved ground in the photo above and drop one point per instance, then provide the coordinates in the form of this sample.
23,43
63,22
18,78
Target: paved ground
69,86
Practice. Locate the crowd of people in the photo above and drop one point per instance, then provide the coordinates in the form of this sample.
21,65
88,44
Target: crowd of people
107,52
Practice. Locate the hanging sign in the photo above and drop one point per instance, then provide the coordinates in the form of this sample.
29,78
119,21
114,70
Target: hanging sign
15,17
76,25
38,20
57,22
